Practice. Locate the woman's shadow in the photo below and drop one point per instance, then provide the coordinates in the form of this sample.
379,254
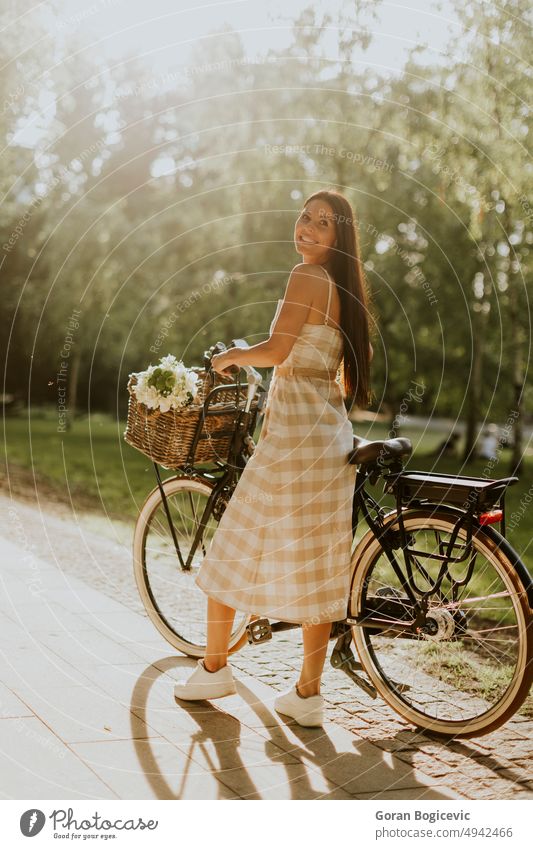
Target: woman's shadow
230,750
258,757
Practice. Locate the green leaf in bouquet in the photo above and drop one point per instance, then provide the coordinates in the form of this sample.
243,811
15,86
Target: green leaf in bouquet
162,380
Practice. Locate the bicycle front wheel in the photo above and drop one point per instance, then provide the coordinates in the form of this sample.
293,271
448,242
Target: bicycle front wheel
469,667
172,599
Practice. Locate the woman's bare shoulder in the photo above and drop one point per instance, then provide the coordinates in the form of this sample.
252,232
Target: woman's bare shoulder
310,269
309,278
304,283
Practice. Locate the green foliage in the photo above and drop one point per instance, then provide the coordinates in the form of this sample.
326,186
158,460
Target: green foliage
168,210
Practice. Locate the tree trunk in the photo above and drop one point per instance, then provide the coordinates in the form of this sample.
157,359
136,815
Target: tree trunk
517,354
73,385
474,389
517,458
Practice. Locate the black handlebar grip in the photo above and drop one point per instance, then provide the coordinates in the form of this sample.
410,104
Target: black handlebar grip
217,348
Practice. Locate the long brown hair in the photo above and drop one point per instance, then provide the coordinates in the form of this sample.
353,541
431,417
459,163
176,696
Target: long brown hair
348,274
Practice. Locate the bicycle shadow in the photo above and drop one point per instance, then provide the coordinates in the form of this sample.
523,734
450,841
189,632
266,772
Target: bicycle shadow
243,762
253,754
357,767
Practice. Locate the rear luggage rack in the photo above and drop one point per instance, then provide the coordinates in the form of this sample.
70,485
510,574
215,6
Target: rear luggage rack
479,493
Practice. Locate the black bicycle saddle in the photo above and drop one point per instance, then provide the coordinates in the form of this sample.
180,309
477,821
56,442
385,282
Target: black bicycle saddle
366,451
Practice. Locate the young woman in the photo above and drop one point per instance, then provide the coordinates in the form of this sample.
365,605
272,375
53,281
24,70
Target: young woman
282,547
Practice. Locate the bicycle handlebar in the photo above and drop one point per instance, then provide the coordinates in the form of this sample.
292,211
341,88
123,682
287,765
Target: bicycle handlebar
254,377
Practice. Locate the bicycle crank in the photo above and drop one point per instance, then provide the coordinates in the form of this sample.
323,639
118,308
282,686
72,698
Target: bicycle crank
259,630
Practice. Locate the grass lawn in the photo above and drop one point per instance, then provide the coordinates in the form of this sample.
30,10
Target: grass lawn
94,469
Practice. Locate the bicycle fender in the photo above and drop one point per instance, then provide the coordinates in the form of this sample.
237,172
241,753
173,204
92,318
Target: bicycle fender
513,556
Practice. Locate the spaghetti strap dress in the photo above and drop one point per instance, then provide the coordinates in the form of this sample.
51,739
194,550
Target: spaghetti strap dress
283,546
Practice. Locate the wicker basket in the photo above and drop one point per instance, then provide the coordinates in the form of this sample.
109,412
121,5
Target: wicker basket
166,438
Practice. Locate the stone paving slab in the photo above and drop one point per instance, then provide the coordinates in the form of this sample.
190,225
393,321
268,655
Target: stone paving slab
151,769
82,714
81,660
10,704
36,764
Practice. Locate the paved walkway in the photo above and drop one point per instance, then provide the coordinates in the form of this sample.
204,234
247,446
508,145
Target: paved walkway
87,710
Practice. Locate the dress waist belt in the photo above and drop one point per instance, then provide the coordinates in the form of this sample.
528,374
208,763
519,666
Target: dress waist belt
288,371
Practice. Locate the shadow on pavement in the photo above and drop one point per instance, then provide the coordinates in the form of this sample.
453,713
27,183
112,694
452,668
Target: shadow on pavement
253,754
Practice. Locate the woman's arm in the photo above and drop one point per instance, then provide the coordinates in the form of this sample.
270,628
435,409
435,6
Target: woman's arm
301,286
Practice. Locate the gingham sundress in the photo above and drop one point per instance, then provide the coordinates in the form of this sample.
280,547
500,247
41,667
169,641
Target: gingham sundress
282,547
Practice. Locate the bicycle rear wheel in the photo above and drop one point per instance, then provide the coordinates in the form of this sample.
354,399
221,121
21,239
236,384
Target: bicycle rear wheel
469,669
173,601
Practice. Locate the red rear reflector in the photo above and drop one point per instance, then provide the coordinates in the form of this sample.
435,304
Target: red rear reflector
490,517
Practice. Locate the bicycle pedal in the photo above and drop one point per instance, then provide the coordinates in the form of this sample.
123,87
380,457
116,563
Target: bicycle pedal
259,631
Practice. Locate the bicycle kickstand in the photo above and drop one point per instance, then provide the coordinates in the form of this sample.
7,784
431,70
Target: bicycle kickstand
343,658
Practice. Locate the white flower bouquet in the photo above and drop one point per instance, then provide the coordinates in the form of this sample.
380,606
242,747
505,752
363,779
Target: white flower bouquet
169,385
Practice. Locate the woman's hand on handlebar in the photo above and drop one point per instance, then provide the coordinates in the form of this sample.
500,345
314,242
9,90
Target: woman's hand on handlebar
226,363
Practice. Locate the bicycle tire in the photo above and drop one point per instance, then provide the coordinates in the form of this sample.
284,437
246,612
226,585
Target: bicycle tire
165,624
365,557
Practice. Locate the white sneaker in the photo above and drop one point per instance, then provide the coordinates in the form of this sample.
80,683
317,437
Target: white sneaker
307,712
206,685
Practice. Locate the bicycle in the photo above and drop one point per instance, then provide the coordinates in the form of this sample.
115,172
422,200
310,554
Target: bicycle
440,604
